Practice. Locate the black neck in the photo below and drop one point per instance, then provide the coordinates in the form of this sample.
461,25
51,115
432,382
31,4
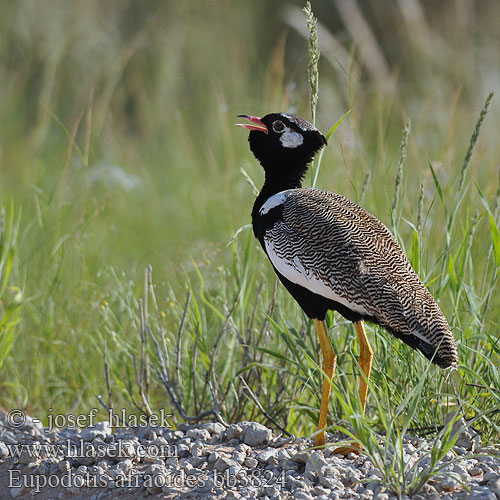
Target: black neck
279,178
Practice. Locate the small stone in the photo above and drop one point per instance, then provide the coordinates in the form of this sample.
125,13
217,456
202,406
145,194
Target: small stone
9,438
100,429
124,465
233,431
234,470
18,491
213,457
289,465
381,496
147,432
172,436
319,490
495,487
481,493
371,486
224,463
476,471
197,450
4,451
301,495
491,476
238,456
214,428
196,461
25,456
300,457
316,461
449,484
271,490
243,448
251,462
183,450
200,434
256,434
265,456
64,466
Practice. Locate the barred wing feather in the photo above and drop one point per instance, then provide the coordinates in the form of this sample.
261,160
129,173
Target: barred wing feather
336,249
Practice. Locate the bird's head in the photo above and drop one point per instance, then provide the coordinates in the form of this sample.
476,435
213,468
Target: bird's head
282,138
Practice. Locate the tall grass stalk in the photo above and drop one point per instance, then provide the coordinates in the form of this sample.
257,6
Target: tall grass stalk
462,184
314,54
398,182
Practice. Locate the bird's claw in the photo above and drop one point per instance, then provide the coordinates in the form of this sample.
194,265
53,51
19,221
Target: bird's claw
345,450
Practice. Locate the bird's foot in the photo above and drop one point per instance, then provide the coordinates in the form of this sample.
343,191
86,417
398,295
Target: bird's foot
345,450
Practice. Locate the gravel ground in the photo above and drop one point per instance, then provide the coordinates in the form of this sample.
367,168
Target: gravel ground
209,461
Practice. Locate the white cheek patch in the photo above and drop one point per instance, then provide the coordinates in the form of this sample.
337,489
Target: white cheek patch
291,139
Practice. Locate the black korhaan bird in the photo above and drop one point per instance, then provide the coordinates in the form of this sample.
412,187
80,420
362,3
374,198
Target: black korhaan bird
330,253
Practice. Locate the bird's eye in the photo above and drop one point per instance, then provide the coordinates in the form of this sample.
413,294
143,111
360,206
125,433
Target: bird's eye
278,126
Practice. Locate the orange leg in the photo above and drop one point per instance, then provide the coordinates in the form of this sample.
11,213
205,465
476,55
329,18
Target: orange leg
329,362
365,362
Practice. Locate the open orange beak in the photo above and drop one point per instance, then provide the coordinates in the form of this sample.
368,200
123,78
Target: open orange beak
259,125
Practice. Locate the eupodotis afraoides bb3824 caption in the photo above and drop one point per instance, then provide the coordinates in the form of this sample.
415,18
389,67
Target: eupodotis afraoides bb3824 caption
331,254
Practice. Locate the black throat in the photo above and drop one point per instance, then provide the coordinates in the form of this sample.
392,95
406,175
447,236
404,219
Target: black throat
278,177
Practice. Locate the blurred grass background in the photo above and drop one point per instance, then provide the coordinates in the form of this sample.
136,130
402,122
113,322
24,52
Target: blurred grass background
118,151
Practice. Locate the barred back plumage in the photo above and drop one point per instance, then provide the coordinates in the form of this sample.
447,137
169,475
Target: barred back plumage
322,238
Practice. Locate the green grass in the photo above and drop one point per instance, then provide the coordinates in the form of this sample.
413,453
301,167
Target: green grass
118,151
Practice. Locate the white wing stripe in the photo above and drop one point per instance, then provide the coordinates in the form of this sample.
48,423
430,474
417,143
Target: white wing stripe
295,271
274,201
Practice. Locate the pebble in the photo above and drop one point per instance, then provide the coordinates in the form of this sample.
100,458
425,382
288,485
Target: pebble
201,434
215,428
251,462
495,487
234,431
266,455
301,495
224,463
4,451
17,491
100,429
491,476
448,483
481,493
300,456
256,434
